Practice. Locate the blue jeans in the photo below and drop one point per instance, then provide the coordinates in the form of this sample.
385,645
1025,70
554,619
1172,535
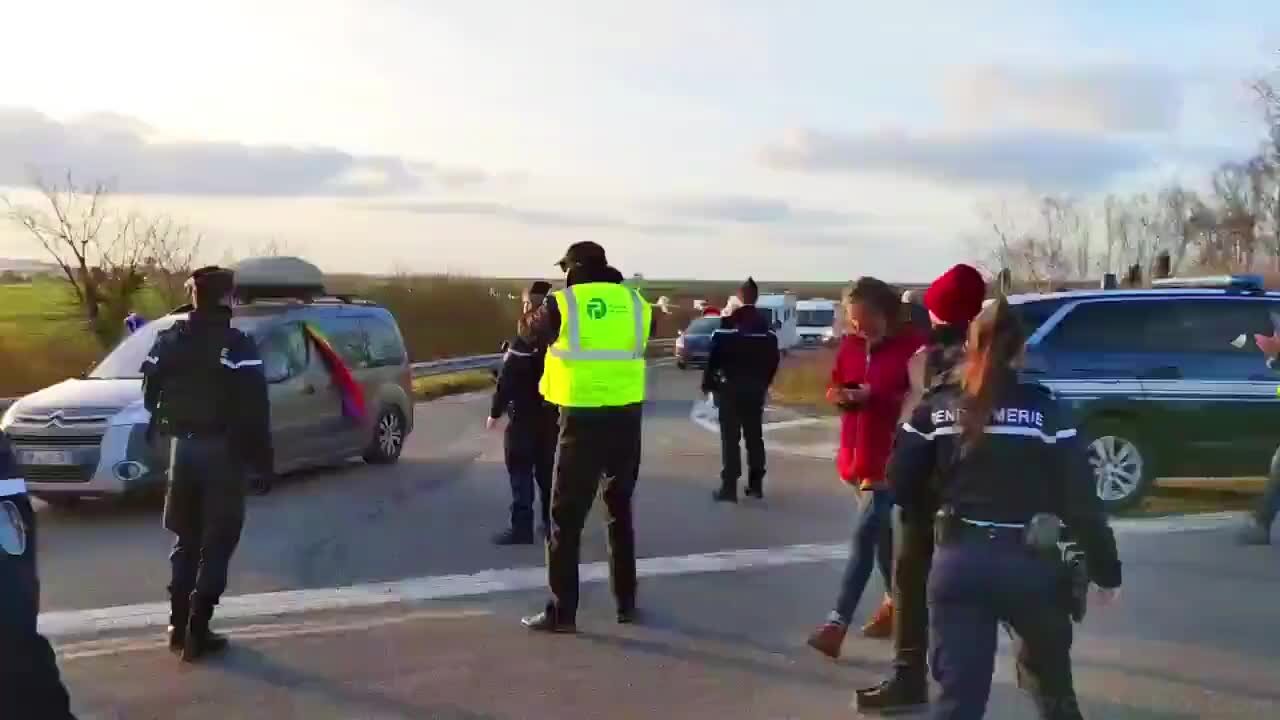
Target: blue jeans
872,539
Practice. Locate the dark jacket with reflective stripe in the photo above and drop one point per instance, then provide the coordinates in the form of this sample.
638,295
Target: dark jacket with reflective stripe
1030,460
517,392
744,354
205,377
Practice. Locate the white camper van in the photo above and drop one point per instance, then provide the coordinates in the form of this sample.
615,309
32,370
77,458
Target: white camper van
816,323
783,317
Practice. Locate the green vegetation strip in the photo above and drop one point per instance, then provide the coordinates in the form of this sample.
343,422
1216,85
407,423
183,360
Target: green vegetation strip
438,386
1199,495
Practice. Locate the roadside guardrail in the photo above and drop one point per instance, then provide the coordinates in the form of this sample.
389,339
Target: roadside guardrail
442,367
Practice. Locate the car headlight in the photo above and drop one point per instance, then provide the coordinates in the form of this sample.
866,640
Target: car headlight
129,470
7,419
133,414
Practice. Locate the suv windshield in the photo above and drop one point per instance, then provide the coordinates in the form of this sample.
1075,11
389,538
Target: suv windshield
816,318
703,326
125,361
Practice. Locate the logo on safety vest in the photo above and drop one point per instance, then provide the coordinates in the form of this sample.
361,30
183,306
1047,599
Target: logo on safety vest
597,309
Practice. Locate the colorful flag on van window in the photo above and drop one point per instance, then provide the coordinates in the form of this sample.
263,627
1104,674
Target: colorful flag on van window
352,394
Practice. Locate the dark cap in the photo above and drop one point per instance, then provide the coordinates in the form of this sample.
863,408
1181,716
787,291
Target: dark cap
582,253
540,287
212,281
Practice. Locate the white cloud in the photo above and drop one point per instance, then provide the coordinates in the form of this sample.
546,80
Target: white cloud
536,217
1088,99
756,210
122,150
1033,158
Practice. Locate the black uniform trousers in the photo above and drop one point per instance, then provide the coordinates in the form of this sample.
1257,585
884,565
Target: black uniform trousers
910,599
595,445
741,418
530,448
204,508
30,686
976,585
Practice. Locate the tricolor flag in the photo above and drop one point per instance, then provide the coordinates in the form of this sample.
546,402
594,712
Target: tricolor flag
352,394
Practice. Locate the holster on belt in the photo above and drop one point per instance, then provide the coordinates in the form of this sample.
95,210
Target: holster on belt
948,526
1075,581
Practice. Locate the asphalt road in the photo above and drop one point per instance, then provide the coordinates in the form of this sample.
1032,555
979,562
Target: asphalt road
730,593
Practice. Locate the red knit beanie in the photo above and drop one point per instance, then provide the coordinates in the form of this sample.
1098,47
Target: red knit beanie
956,297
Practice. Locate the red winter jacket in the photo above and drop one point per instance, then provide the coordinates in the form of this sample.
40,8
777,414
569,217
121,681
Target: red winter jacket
866,432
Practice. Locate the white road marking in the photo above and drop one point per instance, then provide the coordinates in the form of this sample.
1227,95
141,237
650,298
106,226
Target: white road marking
796,422
68,623
272,631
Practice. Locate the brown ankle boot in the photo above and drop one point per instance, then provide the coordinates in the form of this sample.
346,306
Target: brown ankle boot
881,624
828,638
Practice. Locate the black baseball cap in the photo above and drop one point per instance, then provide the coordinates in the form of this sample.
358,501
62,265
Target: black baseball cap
212,280
582,253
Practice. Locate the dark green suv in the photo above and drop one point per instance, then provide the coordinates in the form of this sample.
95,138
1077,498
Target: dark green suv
1167,382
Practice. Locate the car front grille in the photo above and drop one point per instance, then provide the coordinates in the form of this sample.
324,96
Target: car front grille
57,473
40,442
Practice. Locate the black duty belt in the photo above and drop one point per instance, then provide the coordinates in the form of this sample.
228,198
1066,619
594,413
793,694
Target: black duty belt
955,529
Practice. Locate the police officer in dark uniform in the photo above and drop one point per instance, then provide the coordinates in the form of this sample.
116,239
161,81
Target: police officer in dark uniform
1002,461
948,306
29,682
205,388
530,441
740,369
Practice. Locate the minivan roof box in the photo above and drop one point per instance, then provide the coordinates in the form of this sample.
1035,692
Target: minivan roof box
285,278
1240,283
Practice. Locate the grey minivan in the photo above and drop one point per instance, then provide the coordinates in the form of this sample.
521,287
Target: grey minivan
87,437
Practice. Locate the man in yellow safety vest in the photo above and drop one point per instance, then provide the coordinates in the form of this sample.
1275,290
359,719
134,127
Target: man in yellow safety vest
595,331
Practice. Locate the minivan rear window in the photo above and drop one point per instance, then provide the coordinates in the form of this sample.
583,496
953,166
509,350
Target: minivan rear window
386,348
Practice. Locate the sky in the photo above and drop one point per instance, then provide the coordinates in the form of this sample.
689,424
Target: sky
808,140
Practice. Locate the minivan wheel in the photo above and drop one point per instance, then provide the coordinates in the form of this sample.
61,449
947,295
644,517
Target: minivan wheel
388,438
1122,470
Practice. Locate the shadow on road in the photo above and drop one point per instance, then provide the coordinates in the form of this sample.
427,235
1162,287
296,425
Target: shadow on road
260,669
767,671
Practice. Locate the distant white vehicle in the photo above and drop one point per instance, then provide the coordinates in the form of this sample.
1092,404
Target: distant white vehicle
783,318
816,321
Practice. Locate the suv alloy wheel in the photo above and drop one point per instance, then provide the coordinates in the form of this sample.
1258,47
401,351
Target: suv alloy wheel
1122,470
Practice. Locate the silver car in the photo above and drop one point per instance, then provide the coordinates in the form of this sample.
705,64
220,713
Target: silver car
87,437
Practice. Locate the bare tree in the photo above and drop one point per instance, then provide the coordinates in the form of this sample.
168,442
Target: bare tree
172,249
69,229
271,247
104,256
1180,211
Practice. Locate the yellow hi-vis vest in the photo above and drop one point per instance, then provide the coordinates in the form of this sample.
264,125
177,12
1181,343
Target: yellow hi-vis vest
598,360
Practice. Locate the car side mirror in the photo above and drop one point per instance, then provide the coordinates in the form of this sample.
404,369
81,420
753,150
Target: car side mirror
276,368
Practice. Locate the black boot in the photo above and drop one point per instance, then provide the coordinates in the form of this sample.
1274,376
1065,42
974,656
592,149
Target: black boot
725,494
902,693
512,536
200,640
179,614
